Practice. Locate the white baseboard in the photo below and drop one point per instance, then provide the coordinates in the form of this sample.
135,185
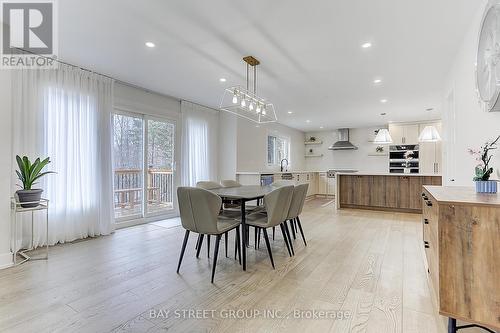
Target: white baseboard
5,260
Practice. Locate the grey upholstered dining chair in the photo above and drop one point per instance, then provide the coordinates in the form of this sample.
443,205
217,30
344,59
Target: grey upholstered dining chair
298,200
230,183
199,211
229,214
208,185
283,182
277,204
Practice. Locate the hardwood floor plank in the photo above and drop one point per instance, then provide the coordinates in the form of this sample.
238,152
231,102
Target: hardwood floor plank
364,267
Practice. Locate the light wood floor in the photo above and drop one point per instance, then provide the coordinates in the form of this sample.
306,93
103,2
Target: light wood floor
366,264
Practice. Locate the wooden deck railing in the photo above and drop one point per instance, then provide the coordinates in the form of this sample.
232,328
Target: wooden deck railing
127,184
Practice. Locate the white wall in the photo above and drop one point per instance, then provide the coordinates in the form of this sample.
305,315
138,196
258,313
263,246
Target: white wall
465,124
349,159
137,100
5,167
252,146
228,141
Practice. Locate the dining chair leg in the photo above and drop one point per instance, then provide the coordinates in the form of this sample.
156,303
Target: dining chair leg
225,241
200,243
184,243
208,246
197,242
289,238
273,231
301,231
293,228
258,238
238,243
216,253
255,239
283,232
266,238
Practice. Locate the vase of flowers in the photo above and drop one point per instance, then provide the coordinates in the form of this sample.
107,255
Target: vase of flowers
483,169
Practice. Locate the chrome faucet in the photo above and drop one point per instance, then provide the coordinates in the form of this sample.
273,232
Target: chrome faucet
281,164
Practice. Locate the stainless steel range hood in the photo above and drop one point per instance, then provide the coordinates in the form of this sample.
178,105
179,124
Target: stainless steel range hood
343,143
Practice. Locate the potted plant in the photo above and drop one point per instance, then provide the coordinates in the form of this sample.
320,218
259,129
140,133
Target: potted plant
28,173
483,170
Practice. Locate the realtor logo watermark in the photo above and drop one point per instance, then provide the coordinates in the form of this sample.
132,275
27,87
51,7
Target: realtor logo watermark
29,34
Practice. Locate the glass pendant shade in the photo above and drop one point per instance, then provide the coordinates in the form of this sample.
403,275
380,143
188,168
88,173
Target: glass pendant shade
383,137
429,134
251,106
259,110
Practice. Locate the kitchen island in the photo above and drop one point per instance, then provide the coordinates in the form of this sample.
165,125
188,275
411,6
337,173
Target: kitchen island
383,191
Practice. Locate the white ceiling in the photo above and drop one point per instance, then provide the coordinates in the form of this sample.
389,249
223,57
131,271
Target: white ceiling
311,59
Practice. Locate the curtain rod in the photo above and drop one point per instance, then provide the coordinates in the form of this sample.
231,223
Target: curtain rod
112,78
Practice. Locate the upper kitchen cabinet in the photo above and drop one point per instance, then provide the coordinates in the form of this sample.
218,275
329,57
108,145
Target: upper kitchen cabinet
403,134
430,154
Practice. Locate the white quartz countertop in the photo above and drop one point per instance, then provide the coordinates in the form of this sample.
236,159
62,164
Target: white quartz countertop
273,172
270,172
361,173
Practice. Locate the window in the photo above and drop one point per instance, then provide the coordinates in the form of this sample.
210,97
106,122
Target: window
278,148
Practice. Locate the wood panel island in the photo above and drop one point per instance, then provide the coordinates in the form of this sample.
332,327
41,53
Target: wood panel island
461,239
383,191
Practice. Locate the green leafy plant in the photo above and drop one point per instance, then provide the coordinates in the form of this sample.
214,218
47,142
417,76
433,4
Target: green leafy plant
483,170
29,172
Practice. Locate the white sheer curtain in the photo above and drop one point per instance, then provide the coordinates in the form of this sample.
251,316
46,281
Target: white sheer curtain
65,114
200,130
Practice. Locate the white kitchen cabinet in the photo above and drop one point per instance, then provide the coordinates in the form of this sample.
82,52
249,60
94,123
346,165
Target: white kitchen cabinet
430,153
332,186
322,183
404,133
313,184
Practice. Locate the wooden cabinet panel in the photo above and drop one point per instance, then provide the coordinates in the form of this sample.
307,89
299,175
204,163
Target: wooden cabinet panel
378,191
384,192
415,192
392,191
346,189
361,190
404,192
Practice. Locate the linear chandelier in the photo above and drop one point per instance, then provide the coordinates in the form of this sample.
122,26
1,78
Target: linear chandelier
246,103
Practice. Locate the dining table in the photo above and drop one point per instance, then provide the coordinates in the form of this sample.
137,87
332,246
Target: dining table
243,194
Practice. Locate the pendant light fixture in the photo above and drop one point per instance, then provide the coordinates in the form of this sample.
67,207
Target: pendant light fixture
383,137
245,103
429,134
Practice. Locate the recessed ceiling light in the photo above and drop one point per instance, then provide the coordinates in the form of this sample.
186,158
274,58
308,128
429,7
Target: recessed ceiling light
308,121
321,127
377,81
383,100
366,45
222,79
290,112
150,44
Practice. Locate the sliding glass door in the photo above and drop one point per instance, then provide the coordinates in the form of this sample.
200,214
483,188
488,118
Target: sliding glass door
160,166
143,166
128,152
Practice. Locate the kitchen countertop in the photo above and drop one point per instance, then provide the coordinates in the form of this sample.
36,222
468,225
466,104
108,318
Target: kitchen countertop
462,195
361,173
280,172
